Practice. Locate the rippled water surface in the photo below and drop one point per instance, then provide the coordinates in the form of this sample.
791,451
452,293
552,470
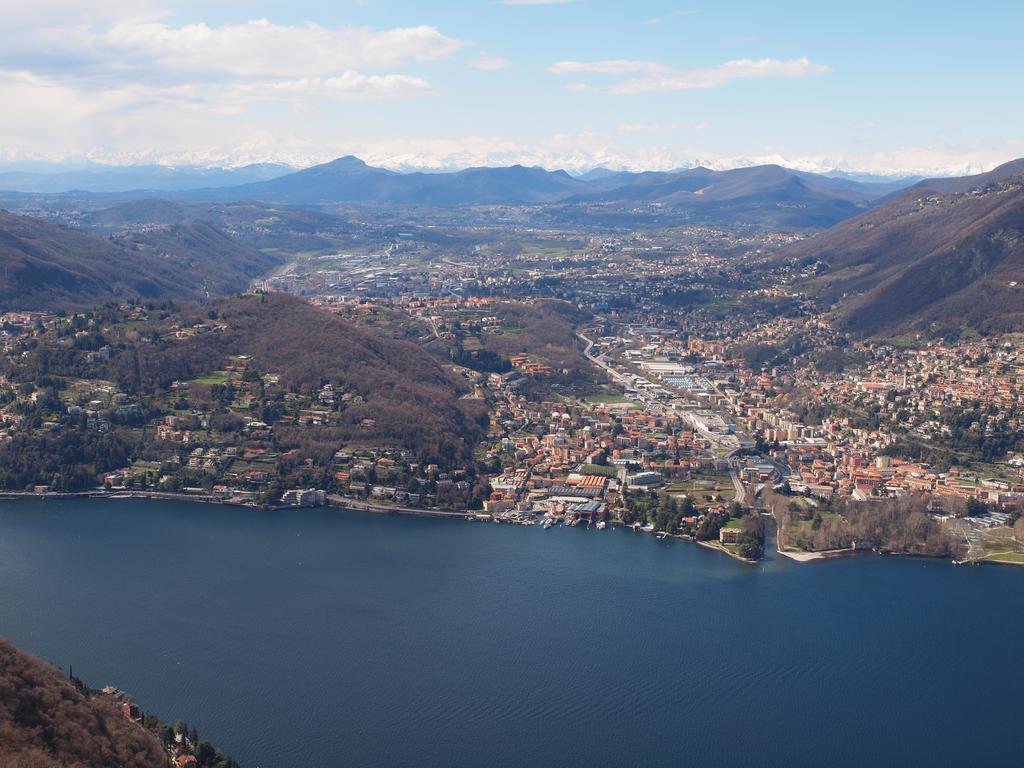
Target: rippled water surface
325,638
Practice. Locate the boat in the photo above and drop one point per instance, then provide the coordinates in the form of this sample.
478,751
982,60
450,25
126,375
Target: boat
601,524
548,523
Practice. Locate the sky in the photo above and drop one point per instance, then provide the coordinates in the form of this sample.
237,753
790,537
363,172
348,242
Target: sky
932,88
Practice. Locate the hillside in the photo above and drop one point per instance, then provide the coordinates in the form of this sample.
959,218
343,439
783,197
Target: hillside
50,721
766,195
412,402
944,256
47,266
206,259
47,722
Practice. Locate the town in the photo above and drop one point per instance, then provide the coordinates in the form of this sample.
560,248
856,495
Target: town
621,386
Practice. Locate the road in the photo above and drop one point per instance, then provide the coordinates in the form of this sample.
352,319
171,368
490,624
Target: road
741,490
600,363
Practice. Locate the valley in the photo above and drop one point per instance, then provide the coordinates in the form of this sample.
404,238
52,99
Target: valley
499,361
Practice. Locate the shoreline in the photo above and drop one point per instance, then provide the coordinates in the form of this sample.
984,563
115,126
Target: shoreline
803,556
337,502
717,547
354,505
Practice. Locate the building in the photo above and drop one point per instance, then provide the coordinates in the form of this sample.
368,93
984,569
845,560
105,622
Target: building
730,535
310,497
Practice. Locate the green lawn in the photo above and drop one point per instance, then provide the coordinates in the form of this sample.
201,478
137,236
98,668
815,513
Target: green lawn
606,399
1006,557
209,379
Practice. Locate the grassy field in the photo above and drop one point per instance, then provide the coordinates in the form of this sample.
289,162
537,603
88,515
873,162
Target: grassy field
217,377
705,485
1006,557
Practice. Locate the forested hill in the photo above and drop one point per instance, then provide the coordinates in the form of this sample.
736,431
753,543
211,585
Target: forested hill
943,257
48,720
400,395
47,266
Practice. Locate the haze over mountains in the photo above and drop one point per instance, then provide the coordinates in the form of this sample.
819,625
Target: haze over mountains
54,178
770,195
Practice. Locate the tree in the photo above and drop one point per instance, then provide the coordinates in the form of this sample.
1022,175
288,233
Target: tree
976,507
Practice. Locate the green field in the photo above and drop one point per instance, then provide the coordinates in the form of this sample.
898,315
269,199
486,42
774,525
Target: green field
1006,557
209,379
607,399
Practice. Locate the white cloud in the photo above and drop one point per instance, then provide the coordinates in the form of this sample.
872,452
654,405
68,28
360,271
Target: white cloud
125,77
347,85
253,49
648,76
490,63
74,12
614,67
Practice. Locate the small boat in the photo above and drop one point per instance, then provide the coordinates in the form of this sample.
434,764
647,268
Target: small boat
601,525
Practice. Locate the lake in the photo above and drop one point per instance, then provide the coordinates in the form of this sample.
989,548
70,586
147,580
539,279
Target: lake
312,638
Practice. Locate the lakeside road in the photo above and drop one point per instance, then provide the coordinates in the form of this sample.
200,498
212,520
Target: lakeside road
339,502
343,502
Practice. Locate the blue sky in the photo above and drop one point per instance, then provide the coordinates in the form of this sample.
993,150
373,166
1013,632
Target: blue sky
877,86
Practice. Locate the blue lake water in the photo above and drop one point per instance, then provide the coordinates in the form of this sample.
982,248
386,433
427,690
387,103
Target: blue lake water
326,638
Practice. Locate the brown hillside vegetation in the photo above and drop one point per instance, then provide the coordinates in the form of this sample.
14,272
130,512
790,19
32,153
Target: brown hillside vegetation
942,257
544,329
412,400
47,266
46,722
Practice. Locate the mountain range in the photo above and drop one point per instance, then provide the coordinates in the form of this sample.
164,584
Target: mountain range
942,256
938,257
769,196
